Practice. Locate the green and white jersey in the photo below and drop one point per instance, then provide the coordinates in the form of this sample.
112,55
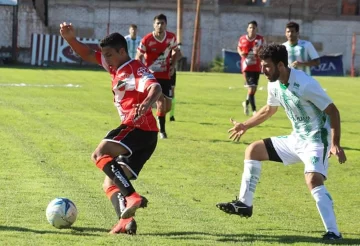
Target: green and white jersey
303,51
304,102
132,45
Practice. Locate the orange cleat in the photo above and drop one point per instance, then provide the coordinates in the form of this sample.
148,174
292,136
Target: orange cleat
133,202
127,226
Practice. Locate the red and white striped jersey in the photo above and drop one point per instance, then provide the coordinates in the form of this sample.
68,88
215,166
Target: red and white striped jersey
130,85
251,62
157,53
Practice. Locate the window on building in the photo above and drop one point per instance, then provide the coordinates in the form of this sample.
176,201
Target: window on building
350,7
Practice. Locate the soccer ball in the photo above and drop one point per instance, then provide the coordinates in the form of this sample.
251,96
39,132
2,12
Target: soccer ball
61,213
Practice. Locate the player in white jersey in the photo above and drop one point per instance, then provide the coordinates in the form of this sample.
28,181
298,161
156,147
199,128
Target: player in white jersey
301,53
316,134
133,41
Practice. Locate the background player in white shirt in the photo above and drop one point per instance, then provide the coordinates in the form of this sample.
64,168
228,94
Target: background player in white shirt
313,116
301,53
133,41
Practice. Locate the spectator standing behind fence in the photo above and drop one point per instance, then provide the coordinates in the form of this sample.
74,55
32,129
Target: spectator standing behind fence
248,47
133,41
301,53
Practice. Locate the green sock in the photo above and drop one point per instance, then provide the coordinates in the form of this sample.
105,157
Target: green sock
172,112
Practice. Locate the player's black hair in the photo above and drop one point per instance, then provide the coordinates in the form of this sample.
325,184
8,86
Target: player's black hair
252,22
114,40
275,52
292,24
161,17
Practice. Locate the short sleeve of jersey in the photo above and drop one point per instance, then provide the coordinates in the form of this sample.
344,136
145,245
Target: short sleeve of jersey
174,44
315,94
311,51
101,61
272,100
241,43
145,82
142,46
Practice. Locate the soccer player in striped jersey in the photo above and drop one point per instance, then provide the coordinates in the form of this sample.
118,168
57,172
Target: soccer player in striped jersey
248,47
156,49
124,150
133,41
316,134
301,53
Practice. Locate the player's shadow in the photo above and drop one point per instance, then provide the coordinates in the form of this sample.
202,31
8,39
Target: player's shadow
250,238
83,231
349,148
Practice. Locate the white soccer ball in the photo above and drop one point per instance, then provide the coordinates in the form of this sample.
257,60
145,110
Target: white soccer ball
61,213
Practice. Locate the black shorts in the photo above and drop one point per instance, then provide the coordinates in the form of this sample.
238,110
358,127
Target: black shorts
140,144
252,78
166,87
273,155
173,79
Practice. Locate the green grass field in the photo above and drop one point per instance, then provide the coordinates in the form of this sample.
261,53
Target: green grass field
48,131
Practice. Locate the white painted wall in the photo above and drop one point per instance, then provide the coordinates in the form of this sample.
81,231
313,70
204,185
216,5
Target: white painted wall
217,31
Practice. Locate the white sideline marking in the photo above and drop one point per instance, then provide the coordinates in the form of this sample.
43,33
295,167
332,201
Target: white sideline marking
45,86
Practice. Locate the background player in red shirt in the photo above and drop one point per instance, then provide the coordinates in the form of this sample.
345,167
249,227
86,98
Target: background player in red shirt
157,49
248,48
124,150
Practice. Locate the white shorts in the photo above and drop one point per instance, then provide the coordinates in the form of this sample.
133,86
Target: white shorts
313,155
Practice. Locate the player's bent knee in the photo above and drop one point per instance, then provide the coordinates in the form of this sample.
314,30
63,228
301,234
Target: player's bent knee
94,157
256,151
314,179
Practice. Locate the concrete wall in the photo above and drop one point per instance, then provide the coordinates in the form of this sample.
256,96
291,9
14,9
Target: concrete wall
220,26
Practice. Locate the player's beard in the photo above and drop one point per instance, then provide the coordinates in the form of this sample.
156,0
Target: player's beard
275,75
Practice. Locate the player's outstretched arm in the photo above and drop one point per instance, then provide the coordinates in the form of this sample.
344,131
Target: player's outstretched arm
239,129
153,95
67,31
335,148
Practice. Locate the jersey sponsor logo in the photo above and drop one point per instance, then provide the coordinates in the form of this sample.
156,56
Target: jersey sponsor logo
151,43
142,70
302,118
296,85
147,76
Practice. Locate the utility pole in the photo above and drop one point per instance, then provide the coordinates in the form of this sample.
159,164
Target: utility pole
196,37
179,20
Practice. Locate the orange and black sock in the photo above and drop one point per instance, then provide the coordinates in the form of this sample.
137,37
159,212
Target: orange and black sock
117,199
113,170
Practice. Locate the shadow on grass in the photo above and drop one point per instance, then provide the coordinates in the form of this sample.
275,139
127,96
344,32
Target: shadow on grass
348,148
76,231
252,238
